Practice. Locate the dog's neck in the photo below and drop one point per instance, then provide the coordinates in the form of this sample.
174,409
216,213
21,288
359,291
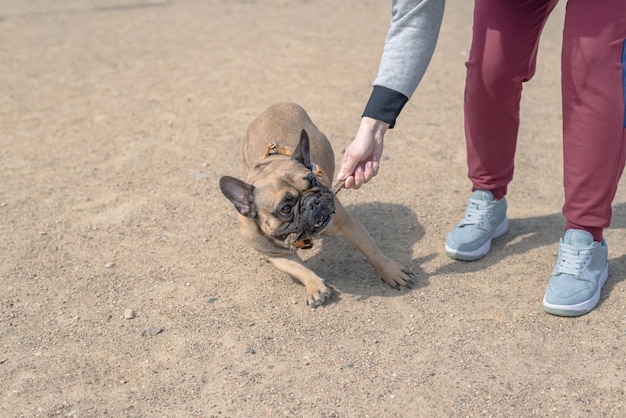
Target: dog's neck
275,149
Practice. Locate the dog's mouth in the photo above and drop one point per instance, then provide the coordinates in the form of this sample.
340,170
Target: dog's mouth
321,226
304,238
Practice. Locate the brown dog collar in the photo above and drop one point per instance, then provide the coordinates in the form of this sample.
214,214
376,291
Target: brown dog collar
276,149
303,244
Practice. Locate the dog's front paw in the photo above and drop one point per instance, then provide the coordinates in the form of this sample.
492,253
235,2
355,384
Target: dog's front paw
396,275
317,295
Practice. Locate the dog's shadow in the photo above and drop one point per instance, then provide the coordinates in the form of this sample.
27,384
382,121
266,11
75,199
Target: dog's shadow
394,228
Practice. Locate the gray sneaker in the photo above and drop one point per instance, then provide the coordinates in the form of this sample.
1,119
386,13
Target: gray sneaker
580,272
484,220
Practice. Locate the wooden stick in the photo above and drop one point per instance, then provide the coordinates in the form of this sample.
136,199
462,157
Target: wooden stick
338,186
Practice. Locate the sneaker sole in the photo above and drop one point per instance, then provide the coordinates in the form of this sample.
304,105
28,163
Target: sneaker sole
484,249
580,308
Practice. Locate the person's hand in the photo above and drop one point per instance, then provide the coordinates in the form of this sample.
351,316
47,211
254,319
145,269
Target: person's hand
361,159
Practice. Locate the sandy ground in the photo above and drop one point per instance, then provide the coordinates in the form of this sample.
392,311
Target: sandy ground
118,117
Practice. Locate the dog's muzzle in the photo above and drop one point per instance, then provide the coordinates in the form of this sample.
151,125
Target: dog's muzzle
315,215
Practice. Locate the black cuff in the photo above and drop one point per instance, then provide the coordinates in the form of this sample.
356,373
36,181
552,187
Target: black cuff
385,104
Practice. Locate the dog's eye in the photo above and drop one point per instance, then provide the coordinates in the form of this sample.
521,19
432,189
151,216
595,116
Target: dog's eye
286,210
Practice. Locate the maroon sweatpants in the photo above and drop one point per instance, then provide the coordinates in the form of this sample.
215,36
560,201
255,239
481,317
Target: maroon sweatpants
593,76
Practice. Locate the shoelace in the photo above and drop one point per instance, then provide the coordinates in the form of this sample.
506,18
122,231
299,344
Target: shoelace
477,213
572,261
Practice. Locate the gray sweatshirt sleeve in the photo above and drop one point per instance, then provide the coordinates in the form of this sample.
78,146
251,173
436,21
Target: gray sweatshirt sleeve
409,46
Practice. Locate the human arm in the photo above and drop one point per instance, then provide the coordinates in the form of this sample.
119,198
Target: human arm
409,46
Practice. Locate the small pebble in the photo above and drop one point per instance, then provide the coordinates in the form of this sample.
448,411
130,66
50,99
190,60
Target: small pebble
108,265
154,331
129,314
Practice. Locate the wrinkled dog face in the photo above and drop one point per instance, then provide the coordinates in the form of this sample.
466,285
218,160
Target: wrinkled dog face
283,196
295,207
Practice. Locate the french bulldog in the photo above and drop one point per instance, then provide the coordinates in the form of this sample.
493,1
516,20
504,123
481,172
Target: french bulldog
285,200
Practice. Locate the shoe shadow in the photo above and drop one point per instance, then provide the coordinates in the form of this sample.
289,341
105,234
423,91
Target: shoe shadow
617,266
526,234
394,228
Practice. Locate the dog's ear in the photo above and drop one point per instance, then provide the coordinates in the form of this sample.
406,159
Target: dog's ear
302,152
240,194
